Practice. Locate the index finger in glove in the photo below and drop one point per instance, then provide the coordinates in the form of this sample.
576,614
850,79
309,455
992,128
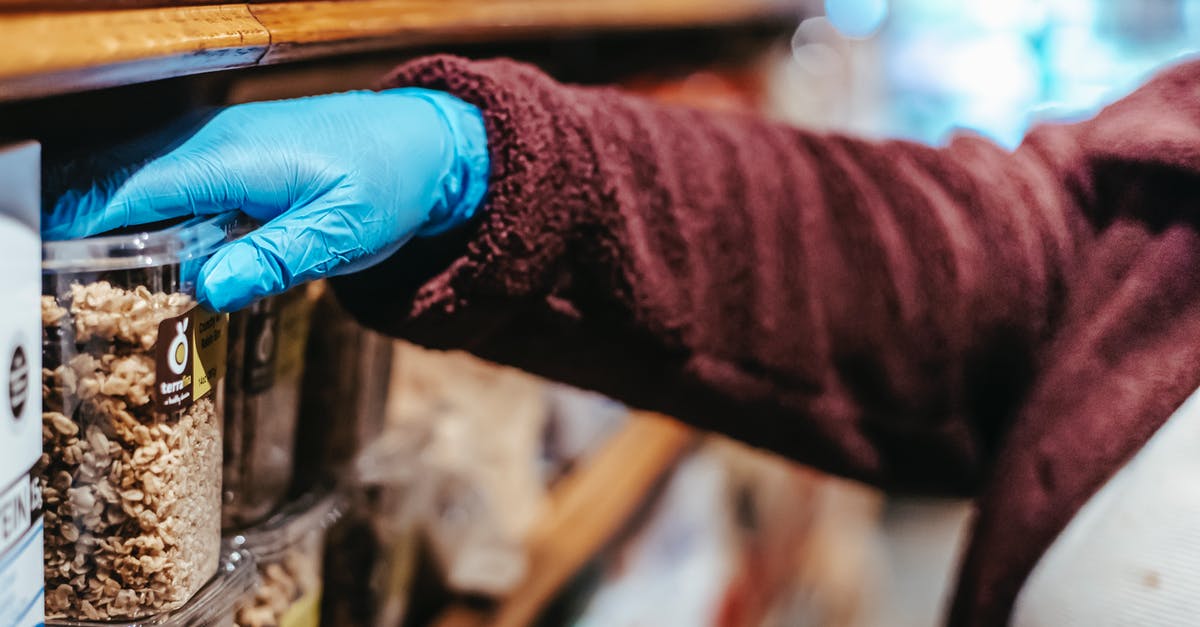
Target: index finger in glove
325,238
179,184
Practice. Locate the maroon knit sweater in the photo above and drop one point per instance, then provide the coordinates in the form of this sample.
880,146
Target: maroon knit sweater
967,320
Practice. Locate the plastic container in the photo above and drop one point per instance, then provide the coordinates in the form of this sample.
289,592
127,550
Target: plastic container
262,404
213,606
20,406
371,560
289,548
347,377
131,386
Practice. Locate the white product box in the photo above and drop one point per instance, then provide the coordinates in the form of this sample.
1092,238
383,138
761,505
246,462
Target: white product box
21,589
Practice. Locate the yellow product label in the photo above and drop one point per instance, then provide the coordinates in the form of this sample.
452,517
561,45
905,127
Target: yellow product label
295,313
189,358
211,345
305,612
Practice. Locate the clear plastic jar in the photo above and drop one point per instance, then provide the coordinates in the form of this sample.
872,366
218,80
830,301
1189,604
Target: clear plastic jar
347,376
371,559
212,606
262,403
131,387
289,548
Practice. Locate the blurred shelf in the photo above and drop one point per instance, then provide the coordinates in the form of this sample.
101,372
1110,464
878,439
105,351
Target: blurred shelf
50,52
587,509
15,6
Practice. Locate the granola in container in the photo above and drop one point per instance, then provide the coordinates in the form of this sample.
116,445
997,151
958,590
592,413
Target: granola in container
289,549
262,404
212,606
131,424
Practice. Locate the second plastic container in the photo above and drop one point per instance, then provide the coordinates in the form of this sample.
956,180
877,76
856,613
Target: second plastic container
289,548
345,388
262,392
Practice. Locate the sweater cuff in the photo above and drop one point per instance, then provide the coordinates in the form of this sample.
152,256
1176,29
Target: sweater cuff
542,184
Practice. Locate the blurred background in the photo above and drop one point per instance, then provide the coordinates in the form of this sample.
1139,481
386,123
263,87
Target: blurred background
737,537
921,68
913,69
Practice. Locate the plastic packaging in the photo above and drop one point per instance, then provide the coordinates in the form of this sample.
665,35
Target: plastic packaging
20,406
345,392
262,404
289,548
475,433
372,554
131,385
212,606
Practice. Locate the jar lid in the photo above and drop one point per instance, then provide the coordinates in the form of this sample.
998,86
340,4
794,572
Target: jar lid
195,238
237,575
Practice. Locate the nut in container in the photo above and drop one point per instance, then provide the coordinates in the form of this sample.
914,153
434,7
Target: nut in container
212,606
289,549
131,386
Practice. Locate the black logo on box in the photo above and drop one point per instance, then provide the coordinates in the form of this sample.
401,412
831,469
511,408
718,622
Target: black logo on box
18,382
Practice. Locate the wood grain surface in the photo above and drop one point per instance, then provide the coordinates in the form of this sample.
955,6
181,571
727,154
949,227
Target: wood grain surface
60,51
588,509
26,6
316,28
49,53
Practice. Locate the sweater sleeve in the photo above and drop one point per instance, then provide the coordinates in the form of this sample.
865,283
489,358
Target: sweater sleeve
870,308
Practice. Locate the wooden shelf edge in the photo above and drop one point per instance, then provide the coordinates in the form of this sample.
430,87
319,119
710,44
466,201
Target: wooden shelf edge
47,53
57,52
587,510
305,29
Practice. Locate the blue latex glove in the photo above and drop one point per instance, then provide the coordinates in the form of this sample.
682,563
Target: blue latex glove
339,182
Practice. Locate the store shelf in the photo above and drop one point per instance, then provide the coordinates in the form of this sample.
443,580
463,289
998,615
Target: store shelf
59,52
62,51
587,510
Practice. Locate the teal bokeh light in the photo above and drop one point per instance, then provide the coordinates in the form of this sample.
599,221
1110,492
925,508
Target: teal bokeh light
856,18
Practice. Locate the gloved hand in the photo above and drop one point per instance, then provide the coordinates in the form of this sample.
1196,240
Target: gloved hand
339,182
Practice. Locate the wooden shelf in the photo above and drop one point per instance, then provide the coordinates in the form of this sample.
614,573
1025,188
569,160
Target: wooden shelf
63,51
49,53
587,510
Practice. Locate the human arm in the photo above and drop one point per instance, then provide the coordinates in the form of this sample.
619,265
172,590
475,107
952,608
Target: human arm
874,309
